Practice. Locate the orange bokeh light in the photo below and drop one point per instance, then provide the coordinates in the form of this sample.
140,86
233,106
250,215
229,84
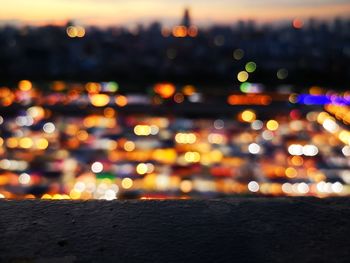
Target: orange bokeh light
165,90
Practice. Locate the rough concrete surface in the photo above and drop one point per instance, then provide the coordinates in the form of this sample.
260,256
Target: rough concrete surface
227,230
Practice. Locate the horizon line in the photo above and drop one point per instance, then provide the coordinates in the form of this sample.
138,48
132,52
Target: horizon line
170,22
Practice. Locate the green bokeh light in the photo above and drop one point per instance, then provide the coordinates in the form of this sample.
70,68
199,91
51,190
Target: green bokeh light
245,87
250,66
112,86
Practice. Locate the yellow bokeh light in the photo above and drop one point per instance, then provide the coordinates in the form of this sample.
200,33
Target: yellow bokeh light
322,116
141,168
129,146
272,125
165,155
74,194
344,136
142,130
291,172
216,156
42,143
127,183
248,116
80,31
99,100
192,157
72,31
46,196
242,76
57,197
26,143
185,138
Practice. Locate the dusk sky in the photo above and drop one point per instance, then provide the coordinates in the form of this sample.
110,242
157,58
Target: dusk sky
111,12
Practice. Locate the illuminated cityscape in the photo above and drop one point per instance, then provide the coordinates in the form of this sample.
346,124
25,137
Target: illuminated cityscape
181,111
174,131
83,141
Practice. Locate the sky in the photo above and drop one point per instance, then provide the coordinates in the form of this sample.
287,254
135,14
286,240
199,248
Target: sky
203,12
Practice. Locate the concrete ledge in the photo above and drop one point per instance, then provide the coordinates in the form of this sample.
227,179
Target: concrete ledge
228,230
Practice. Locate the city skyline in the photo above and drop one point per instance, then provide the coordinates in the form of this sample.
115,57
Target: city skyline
112,12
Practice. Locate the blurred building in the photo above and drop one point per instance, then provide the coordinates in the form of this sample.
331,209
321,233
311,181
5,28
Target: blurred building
311,52
186,20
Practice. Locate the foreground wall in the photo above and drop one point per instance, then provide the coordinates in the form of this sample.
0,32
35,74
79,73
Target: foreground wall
228,230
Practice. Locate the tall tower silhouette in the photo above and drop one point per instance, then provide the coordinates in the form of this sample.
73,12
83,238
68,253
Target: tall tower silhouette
185,29
186,20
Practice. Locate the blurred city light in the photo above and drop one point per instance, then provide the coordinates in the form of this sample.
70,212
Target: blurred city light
268,143
176,109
